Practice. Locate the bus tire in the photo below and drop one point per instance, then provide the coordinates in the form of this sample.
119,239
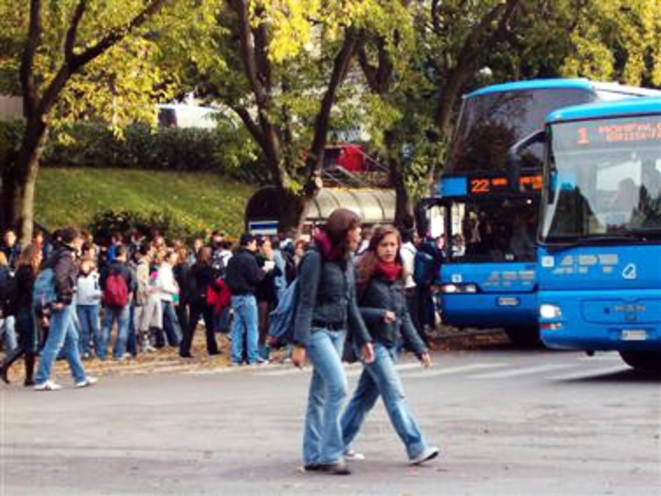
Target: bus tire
524,336
642,360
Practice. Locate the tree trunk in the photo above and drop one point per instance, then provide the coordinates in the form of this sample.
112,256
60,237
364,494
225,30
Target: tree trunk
24,179
404,216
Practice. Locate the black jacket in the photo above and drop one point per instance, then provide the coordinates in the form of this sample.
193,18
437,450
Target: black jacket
243,273
327,294
65,267
379,297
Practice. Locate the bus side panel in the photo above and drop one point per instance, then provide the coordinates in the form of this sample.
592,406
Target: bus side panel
483,310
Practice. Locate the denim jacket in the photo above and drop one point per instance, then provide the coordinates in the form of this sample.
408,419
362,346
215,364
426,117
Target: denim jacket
327,293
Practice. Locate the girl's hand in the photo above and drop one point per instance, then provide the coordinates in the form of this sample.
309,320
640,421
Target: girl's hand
425,359
367,352
389,317
298,356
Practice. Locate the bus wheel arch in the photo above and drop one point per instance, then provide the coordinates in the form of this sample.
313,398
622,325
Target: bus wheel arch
643,360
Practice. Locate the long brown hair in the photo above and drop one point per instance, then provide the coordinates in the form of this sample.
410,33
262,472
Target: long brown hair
339,223
369,261
30,256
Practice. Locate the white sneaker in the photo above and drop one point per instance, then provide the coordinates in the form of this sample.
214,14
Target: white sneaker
353,455
47,386
427,454
88,381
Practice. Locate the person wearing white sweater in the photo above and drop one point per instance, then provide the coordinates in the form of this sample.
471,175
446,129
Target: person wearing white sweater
88,302
169,294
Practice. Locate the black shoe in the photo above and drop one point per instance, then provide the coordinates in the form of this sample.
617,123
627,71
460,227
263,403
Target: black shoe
338,468
3,374
185,355
28,382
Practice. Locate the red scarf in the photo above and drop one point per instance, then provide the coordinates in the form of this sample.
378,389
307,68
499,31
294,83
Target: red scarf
390,271
328,251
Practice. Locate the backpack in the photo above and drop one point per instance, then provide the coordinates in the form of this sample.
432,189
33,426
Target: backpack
116,293
7,291
281,320
43,291
290,266
424,269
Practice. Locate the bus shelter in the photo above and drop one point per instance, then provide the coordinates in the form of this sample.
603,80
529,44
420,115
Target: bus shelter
267,212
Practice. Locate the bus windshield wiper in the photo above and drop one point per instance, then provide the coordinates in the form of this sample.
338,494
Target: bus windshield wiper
559,243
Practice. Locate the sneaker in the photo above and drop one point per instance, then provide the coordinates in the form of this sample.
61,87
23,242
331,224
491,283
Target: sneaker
47,386
88,381
427,454
338,468
353,455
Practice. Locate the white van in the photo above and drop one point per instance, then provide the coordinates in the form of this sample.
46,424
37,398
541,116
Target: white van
182,115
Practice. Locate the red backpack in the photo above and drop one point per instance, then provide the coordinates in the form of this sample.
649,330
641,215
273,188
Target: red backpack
116,294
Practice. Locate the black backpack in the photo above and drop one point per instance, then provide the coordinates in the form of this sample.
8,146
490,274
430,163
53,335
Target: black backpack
7,291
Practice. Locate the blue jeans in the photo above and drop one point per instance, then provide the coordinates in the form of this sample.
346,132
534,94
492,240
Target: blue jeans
380,378
171,324
88,316
62,336
244,326
132,338
322,439
110,316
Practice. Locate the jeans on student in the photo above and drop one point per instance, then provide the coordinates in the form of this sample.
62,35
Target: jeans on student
110,316
380,378
244,326
322,439
171,324
88,317
62,336
132,338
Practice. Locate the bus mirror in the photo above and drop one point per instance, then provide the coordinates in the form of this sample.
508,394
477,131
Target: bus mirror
514,158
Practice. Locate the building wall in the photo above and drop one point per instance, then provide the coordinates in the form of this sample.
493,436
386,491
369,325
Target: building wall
11,107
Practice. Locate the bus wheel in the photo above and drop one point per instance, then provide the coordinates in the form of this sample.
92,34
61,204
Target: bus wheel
643,360
524,336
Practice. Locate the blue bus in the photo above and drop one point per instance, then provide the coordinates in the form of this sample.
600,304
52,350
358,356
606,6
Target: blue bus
599,273
489,276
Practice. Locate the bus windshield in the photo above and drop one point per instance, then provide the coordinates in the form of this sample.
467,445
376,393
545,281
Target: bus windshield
490,124
604,179
495,229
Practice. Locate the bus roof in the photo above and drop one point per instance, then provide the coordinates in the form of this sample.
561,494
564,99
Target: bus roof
562,83
629,106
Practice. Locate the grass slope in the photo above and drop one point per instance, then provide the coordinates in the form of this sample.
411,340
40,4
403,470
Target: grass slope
203,200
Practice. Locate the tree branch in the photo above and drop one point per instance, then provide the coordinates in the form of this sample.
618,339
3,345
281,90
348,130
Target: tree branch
74,62
250,123
116,35
340,68
72,32
26,71
247,49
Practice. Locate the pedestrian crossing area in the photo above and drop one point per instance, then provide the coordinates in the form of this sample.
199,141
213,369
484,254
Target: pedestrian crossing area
570,367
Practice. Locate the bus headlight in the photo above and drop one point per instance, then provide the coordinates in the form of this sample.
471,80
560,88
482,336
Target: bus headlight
548,311
458,288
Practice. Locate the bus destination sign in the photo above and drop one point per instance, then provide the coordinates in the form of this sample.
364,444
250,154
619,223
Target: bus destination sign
608,133
500,184
484,185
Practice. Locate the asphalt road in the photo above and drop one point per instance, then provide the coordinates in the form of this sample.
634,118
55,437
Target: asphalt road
509,422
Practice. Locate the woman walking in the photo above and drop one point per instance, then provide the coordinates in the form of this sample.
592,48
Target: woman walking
29,262
383,306
326,308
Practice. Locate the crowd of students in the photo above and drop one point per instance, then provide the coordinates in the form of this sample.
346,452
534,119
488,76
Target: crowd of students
150,293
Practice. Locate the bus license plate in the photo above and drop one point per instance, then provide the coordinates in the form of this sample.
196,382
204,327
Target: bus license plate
634,335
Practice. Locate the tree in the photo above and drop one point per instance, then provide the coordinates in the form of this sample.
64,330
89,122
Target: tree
284,65
61,40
